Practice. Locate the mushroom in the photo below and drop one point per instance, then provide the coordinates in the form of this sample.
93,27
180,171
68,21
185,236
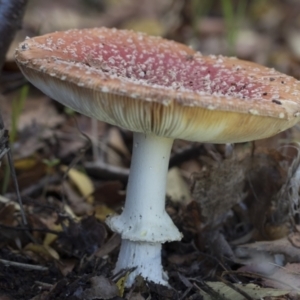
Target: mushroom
160,90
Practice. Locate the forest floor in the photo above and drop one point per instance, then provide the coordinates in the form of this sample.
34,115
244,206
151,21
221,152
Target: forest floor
237,206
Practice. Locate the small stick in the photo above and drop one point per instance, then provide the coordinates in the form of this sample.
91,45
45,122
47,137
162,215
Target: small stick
101,169
13,175
237,289
23,266
30,229
44,285
15,181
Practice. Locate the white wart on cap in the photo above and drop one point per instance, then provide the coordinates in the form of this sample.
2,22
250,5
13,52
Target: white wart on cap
148,84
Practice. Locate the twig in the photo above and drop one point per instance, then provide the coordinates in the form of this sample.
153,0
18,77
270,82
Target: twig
100,169
15,181
122,273
186,292
44,285
30,229
237,289
207,289
23,266
13,172
38,187
3,152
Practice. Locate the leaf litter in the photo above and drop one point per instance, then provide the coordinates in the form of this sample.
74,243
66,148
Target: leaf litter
237,207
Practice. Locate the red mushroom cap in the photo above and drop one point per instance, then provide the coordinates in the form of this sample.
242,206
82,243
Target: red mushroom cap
149,84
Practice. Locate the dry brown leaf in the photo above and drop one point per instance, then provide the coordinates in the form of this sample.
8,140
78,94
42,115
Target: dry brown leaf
4,200
82,182
221,182
191,166
287,278
282,246
7,215
119,151
43,251
177,188
25,164
102,288
42,296
254,291
51,237
271,191
102,211
109,246
66,265
179,259
30,171
7,218
136,296
38,222
84,237
110,193
77,203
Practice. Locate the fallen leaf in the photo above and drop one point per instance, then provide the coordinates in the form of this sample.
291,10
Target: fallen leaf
5,200
7,215
109,246
254,291
219,182
102,288
119,150
25,163
77,203
44,251
51,237
121,284
84,237
177,188
110,193
68,210
7,218
82,182
136,296
264,178
29,170
287,278
282,246
66,265
102,211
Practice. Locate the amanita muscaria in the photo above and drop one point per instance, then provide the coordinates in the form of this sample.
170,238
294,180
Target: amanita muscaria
160,90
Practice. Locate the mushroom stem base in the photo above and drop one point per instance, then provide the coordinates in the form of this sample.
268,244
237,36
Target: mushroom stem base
145,258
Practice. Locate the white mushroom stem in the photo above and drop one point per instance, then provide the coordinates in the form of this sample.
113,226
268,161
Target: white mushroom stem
145,258
144,224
